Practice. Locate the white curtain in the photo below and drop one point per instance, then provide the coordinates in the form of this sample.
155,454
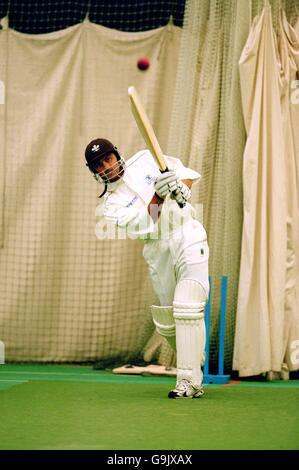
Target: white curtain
288,46
64,294
267,320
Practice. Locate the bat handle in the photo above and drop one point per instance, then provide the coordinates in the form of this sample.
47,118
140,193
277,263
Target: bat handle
178,203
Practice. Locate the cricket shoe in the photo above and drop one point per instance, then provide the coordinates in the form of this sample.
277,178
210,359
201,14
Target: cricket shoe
186,389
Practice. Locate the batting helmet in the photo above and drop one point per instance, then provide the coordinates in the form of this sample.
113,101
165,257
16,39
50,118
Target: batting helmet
96,150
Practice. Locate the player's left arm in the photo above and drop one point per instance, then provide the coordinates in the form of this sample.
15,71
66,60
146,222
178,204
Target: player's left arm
186,179
188,183
183,192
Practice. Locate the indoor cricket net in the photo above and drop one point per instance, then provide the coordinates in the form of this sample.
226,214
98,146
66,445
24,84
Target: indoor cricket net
66,296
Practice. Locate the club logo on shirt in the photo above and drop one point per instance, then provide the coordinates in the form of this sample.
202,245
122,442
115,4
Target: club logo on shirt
150,179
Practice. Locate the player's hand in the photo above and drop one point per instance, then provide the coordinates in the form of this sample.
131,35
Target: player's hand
166,183
182,194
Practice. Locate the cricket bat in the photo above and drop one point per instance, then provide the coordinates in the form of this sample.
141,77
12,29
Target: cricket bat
146,129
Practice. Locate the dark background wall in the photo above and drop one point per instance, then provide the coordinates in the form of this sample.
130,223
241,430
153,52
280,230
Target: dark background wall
44,16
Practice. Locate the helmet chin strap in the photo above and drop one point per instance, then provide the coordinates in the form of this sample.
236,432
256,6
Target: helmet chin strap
99,180
105,189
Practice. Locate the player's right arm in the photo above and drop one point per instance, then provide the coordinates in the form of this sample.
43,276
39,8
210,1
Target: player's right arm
132,216
127,210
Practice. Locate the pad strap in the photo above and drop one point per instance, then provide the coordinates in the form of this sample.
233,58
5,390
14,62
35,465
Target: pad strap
164,322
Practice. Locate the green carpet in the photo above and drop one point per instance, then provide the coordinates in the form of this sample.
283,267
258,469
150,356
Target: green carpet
65,407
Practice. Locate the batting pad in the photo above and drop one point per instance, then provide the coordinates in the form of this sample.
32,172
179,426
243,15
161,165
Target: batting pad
188,312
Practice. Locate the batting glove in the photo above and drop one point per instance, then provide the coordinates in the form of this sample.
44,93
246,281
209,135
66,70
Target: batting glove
166,183
182,193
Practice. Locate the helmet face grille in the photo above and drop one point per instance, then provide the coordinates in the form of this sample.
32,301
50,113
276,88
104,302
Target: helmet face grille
114,173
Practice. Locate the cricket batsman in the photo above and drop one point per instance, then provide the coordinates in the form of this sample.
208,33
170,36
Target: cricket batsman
154,207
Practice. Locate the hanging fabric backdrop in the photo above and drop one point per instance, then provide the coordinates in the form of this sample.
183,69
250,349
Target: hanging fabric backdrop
64,295
268,303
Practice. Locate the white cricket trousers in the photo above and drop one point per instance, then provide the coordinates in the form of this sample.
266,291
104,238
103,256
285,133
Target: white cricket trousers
172,260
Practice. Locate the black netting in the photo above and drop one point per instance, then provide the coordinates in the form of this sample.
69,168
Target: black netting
43,16
136,15
3,8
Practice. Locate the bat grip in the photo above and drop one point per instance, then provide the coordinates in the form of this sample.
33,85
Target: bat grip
178,203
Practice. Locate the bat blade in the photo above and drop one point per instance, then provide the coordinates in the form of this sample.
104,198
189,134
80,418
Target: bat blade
145,128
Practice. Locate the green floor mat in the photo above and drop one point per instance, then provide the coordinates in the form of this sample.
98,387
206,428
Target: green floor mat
79,408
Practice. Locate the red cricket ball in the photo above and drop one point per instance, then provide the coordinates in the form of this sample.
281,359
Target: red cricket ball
143,63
